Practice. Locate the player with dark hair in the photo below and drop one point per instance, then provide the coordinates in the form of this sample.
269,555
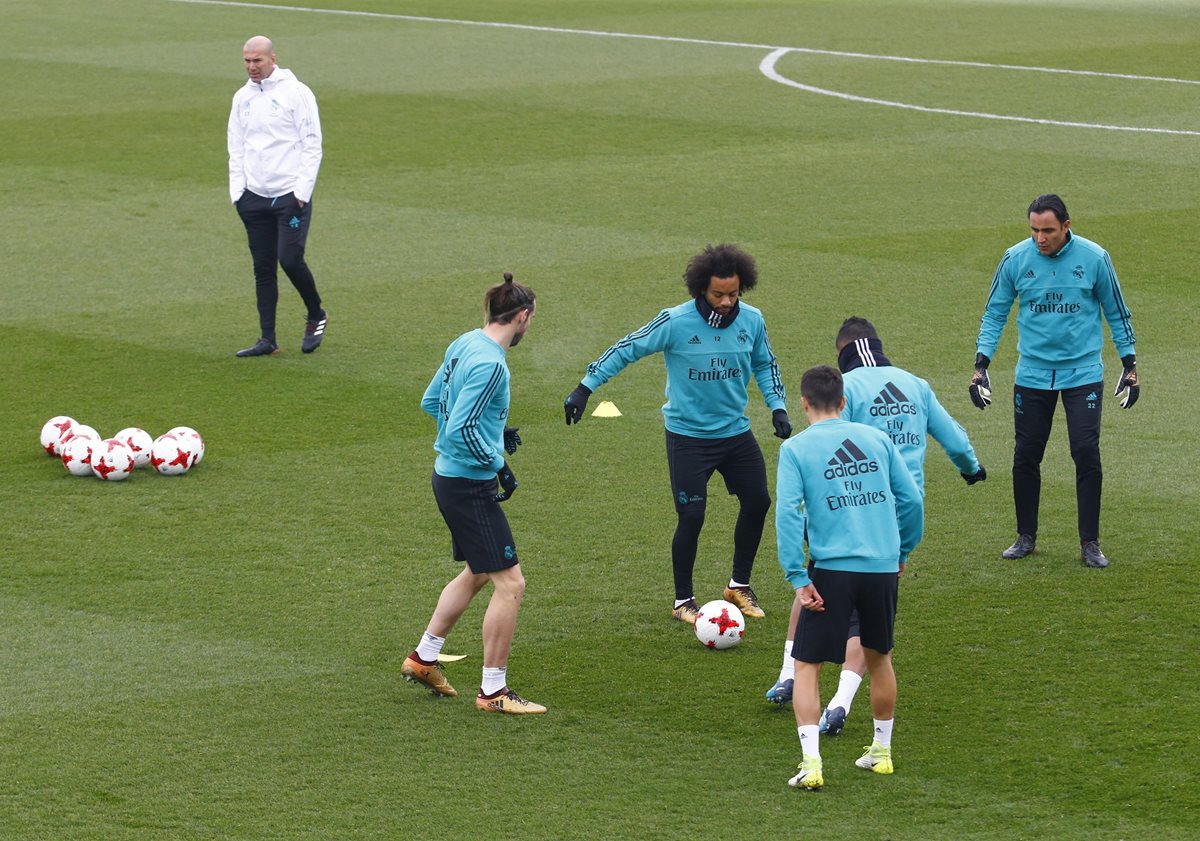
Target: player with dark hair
711,345
902,405
844,489
469,398
721,261
1062,284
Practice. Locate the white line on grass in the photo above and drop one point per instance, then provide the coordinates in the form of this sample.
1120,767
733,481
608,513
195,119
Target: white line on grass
767,65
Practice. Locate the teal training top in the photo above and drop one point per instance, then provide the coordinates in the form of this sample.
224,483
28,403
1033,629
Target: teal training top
1060,299
904,407
846,487
708,368
469,399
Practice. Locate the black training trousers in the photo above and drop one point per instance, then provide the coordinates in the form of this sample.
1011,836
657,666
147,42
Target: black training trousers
1033,416
691,463
276,230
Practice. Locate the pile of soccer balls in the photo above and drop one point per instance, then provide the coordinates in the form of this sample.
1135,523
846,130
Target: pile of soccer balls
84,453
720,624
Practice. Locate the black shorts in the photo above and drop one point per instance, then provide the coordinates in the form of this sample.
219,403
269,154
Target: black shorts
692,462
479,531
821,637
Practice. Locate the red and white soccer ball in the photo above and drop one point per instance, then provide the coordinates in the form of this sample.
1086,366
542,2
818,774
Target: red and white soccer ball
139,442
193,437
720,624
77,455
84,453
79,430
112,460
172,455
52,432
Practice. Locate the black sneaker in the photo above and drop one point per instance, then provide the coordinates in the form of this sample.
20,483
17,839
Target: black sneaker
314,331
832,721
1026,545
1091,555
262,347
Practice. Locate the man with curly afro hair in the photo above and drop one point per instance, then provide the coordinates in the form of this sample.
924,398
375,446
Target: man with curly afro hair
712,345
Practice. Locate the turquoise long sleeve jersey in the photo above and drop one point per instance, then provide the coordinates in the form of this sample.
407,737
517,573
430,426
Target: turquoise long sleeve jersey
707,368
468,397
846,487
904,407
1060,300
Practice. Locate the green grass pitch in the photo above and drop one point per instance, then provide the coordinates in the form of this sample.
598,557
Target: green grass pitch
217,655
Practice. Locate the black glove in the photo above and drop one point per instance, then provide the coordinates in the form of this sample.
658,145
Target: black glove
576,402
1128,383
981,384
511,439
783,426
508,483
978,476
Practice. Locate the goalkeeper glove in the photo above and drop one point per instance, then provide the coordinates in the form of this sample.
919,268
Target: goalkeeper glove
978,476
981,384
511,439
1128,389
576,402
783,426
508,483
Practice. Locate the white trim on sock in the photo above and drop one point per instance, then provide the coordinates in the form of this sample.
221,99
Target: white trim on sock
810,739
788,670
848,685
494,679
430,647
883,732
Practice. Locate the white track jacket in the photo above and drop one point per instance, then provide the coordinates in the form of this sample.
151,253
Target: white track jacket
274,138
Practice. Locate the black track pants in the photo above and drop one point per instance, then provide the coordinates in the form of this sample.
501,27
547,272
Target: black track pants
276,230
1033,417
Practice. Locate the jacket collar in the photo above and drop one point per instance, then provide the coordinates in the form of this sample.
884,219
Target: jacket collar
714,318
278,75
862,353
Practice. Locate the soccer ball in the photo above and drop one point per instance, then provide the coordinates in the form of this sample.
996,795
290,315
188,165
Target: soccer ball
77,455
171,455
190,435
79,430
720,624
139,442
53,431
112,460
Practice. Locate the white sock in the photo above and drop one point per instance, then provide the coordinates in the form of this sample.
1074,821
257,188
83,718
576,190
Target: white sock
494,679
788,670
679,602
430,647
847,687
883,732
733,584
809,740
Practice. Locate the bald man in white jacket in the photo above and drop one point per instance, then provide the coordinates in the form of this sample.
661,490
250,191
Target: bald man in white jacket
274,143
